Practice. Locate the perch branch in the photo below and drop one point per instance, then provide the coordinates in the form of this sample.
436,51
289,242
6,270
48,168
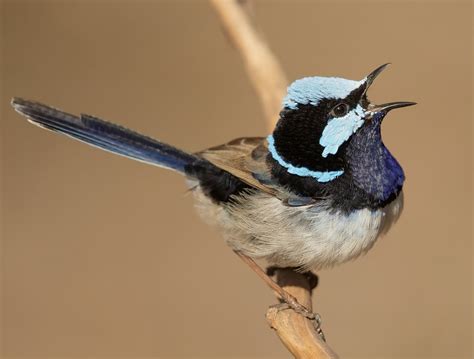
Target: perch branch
263,68
297,332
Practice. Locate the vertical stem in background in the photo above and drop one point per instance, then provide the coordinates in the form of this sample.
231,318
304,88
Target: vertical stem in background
263,68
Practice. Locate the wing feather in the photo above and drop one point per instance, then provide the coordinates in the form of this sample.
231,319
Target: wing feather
246,159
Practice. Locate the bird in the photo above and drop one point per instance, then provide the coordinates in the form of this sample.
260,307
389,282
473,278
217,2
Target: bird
316,192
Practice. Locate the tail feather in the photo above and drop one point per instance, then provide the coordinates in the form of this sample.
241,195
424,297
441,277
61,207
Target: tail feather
105,135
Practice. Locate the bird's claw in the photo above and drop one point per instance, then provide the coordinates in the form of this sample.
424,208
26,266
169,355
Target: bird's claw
299,308
305,312
317,327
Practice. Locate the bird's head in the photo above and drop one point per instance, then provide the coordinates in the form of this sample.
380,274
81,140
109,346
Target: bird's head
325,123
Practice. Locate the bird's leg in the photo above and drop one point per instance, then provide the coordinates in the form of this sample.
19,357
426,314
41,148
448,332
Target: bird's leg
312,278
284,295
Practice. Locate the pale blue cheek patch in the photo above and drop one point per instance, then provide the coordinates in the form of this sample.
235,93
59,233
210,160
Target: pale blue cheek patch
320,176
311,90
339,129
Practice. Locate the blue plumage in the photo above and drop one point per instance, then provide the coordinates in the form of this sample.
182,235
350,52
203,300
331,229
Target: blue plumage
316,192
106,135
339,129
374,169
312,90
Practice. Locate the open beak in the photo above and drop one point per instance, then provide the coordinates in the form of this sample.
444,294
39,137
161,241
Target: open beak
390,106
373,75
373,109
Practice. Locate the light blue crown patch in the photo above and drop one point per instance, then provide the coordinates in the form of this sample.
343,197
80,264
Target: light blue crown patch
311,90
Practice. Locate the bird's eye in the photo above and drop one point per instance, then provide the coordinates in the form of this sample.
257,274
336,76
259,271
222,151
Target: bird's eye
341,109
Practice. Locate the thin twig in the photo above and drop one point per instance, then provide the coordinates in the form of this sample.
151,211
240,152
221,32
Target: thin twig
263,68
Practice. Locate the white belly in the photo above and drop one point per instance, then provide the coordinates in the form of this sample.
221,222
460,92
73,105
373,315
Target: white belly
309,237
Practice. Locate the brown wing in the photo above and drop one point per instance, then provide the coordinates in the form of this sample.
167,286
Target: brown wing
244,158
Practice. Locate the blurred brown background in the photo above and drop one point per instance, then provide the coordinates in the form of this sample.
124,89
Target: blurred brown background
106,257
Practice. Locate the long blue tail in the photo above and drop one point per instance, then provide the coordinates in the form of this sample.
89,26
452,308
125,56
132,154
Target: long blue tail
105,135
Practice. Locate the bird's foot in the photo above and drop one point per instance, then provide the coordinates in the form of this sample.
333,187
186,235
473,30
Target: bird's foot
314,317
285,297
290,302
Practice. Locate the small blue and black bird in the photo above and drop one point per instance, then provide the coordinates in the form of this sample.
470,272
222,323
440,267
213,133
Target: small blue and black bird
316,192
